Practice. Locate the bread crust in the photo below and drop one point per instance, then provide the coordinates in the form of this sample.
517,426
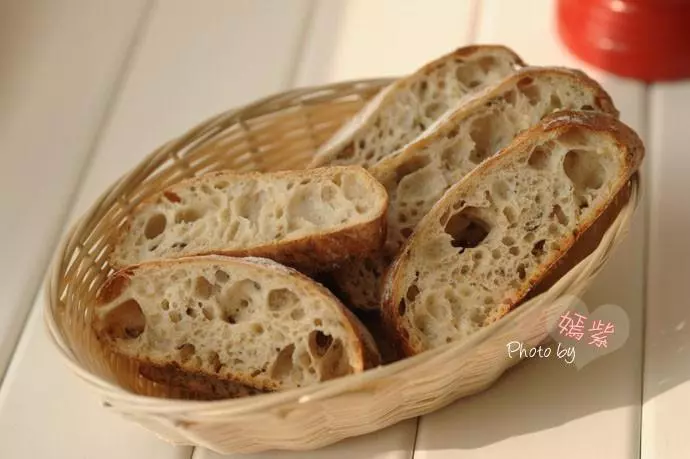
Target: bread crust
631,151
311,253
203,383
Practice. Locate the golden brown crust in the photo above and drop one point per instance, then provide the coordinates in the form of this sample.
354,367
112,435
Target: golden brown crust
195,385
314,253
631,150
323,252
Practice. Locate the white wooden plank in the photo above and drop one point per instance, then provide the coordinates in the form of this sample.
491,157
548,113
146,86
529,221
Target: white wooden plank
543,408
667,345
352,39
60,61
390,443
196,62
191,62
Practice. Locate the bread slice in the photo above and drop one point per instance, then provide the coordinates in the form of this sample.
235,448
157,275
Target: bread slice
310,219
417,175
501,230
407,107
221,324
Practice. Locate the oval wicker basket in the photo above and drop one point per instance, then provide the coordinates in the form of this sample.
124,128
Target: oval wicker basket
279,132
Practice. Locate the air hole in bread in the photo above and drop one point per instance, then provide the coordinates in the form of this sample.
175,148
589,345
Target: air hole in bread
538,248
412,292
125,321
466,228
187,215
584,169
319,343
521,271
487,63
409,167
480,133
282,298
510,214
530,90
155,226
221,276
529,237
587,107
297,314
208,313
186,350
165,305
402,307
221,185
318,322
514,250
328,193
203,288
508,241
257,329
539,158
282,365
496,254
172,197
473,84
464,270
406,232
175,316
214,361
191,312
561,217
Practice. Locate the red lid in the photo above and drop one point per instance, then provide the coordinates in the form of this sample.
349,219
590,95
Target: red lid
644,39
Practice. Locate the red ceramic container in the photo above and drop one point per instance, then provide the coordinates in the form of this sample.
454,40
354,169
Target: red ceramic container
644,39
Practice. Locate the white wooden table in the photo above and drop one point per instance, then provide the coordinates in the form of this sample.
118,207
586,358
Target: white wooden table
88,87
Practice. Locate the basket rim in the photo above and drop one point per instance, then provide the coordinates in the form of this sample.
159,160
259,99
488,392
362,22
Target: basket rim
164,406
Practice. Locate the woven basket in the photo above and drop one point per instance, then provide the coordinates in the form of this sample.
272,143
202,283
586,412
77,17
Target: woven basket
279,132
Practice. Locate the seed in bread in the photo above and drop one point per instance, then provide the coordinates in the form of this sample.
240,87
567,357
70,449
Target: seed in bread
417,175
250,322
407,107
310,219
496,234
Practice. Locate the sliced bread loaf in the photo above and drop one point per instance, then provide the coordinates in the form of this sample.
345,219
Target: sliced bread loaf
227,326
417,175
497,233
311,219
407,107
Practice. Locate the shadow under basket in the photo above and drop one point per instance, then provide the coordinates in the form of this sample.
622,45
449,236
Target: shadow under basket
279,132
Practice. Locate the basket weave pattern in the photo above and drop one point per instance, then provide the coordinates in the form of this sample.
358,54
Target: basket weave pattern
277,133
